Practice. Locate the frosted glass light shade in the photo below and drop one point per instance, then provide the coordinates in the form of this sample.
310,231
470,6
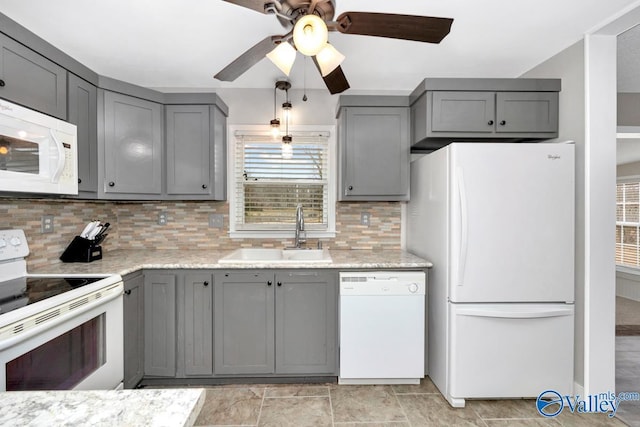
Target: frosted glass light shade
284,55
310,35
329,59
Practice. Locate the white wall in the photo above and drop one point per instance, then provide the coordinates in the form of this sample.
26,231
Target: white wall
255,106
568,65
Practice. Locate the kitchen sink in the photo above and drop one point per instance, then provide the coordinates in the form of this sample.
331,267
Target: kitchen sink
277,256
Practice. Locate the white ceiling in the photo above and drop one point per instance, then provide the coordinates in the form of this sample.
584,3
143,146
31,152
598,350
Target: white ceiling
181,44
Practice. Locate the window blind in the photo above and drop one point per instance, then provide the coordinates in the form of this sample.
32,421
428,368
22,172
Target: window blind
627,223
269,185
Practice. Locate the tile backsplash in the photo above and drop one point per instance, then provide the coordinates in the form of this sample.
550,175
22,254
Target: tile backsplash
135,225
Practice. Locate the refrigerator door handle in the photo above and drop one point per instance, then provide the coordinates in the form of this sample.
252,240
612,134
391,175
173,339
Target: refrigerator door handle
514,313
462,194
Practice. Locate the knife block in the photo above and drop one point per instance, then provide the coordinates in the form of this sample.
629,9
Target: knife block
82,250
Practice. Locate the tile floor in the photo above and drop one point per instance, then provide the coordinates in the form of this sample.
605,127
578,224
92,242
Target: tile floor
628,376
370,406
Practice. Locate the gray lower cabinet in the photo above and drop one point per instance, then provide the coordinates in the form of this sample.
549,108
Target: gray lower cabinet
374,153
30,79
131,146
133,329
282,323
244,322
195,319
195,152
82,105
306,322
159,324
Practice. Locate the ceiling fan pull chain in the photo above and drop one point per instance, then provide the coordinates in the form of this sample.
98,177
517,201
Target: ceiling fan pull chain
304,74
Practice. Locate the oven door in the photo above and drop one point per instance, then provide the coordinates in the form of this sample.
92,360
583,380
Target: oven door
80,349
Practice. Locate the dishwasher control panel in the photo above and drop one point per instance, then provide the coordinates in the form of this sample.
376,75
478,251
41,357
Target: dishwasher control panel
383,283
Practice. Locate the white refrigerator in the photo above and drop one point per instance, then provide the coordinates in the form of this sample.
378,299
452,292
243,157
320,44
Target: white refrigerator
497,222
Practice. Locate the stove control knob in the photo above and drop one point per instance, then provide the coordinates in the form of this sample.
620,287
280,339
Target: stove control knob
15,241
413,288
3,243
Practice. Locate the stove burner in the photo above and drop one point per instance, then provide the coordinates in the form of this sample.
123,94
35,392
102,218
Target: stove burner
23,291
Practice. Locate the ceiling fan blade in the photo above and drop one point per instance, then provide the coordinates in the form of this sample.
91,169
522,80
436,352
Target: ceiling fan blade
406,27
247,60
336,81
257,5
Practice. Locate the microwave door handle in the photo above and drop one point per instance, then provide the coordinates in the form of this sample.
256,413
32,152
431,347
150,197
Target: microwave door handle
61,157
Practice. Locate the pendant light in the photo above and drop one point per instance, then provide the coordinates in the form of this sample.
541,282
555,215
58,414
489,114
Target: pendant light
287,139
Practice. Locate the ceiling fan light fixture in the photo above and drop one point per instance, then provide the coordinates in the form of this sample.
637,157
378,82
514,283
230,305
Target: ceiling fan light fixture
283,56
329,59
310,34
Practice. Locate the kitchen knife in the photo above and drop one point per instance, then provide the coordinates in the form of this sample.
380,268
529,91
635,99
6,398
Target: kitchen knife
103,230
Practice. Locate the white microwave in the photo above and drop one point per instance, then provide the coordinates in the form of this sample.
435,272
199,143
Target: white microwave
38,153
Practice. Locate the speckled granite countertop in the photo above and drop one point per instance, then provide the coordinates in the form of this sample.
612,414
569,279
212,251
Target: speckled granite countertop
165,407
127,261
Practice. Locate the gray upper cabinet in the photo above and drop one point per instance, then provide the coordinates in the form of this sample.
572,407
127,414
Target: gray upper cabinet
82,105
195,152
197,314
133,329
29,79
447,110
160,324
306,322
374,151
244,325
132,147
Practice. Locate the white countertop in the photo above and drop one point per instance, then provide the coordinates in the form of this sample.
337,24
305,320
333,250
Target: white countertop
163,407
124,261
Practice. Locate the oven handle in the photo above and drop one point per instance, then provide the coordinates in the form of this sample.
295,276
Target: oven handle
16,339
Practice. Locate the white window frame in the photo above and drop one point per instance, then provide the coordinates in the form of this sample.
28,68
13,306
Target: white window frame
234,233
628,268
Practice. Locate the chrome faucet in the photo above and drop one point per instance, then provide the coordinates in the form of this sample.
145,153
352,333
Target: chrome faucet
300,227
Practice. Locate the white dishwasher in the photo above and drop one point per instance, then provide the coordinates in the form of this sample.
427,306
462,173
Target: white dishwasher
382,327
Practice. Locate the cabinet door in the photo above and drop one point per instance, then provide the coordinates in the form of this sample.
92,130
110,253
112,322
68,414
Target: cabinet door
133,145
188,149
306,322
463,112
133,330
83,113
375,153
198,324
32,80
527,112
160,324
244,323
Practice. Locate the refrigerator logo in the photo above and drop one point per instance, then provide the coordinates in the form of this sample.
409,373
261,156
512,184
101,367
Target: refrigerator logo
553,156
550,403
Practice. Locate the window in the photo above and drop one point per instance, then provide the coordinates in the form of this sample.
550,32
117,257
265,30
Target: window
627,223
267,185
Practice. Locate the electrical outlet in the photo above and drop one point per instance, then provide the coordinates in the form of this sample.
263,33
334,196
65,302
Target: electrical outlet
47,224
216,220
365,219
163,218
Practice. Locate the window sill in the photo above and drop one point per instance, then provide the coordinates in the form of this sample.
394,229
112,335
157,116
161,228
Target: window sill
628,272
274,234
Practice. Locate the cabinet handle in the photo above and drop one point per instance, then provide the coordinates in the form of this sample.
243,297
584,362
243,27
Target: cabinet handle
350,187
1,83
502,122
490,122
205,283
112,184
79,181
269,283
128,292
279,283
204,186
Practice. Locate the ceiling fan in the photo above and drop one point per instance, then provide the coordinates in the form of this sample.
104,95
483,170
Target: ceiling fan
308,22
